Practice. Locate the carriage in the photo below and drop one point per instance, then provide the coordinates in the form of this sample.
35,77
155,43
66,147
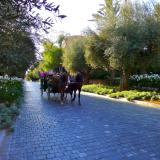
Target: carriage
61,84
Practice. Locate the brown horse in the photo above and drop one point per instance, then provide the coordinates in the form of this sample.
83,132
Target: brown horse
74,86
57,84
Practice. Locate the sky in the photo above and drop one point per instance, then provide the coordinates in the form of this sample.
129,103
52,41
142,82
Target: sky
78,13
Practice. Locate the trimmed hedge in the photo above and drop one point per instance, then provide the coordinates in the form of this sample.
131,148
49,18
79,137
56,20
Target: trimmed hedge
114,93
99,89
136,95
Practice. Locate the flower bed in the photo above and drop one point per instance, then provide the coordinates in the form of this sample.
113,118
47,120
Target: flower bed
11,90
146,81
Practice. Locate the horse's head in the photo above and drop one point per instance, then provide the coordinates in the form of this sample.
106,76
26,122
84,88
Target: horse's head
64,77
79,77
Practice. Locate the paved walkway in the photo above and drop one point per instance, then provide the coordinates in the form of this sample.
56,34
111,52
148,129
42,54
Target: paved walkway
98,130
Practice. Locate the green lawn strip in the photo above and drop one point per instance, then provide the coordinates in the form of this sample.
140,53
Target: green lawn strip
114,93
11,92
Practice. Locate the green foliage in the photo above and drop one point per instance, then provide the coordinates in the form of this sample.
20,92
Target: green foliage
136,95
32,75
52,56
135,39
127,39
99,89
19,20
26,14
98,42
94,53
73,57
114,93
61,38
10,91
17,51
98,74
7,114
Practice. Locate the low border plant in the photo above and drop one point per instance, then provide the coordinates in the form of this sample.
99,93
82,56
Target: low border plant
114,93
11,92
99,89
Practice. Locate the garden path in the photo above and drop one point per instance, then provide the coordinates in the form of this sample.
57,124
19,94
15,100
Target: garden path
99,129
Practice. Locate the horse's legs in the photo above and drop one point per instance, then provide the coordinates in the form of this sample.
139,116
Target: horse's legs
71,93
79,96
62,97
65,96
74,95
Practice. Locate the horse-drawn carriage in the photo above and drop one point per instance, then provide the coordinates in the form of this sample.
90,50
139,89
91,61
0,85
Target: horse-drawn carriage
61,84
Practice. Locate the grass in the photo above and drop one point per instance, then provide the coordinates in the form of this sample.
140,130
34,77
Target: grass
114,93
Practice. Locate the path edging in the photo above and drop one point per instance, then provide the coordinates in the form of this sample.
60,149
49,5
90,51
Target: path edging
144,104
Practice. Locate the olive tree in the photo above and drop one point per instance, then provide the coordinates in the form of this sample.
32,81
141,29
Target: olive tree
74,57
127,38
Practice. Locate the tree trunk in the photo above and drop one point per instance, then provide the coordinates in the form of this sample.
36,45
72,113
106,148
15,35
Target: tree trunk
124,81
86,77
112,78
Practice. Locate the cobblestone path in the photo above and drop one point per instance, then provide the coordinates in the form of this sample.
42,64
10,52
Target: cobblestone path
99,129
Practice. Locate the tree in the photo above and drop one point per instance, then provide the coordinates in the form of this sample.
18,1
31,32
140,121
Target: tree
52,56
73,57
128,38
25,13
17,20
135,41
95,47
61,38
17,52
97,42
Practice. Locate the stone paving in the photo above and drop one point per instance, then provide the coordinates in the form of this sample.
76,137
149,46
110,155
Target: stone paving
99,129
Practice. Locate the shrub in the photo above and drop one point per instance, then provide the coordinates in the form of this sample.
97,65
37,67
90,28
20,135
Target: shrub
10,90
135,95
7,114
99,89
